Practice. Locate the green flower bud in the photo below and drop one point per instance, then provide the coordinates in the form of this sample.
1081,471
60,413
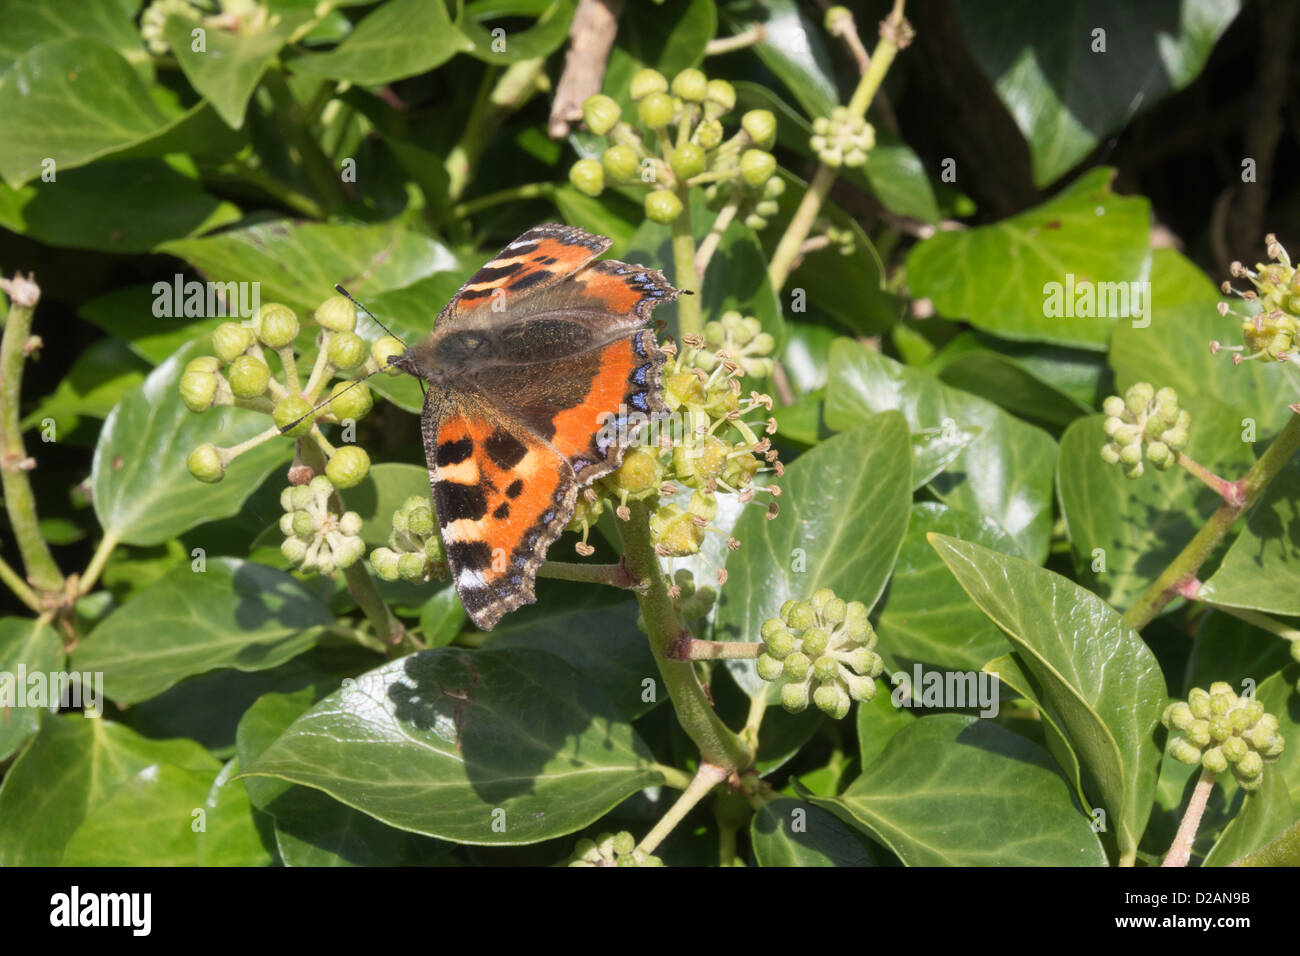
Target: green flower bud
662,205
1138,397
1131,454
350,400
1127,435
691,85
1160,455
346,350
433,549
286,524
338,314
861,688
1110,454
768,667
350,523
794,697
291,408
832,699
302,523
419,520
688,160
801,616
797,665
721,98
1199,732
384,349
348,467
781,643
1113,406
620,163
199,389
410,567
1214,761
757,166
1220,728
1199,702
761,127
587,176
646,82
825,669
385,561
1179,715
1184,751
249,376
815,641
231,340
1250,766
1222,699
277,326
294,550
1234,749
835,610
601,113
656,110
205,464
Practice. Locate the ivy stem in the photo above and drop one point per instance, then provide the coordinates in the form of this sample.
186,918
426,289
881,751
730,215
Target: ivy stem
1185,566
1180,851
1229,491
20,502
1255,618
20,587
615,575
320,171
895,33
706,778
756,33
711,242
90,576
514,194
718,745
687,648
690,311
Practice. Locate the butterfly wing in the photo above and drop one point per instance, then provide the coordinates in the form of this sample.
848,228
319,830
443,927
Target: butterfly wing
502,496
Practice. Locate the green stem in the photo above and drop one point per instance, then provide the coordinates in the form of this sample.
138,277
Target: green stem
1227,490
706,778
787,250
1180,851
20,587
20,501
293,122
97,561
287,196
690,311
514,194
1185,566
677,779
614,575
692,649
718,745
1261,621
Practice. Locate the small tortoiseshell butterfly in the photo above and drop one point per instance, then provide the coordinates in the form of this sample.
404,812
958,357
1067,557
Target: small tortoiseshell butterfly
527,365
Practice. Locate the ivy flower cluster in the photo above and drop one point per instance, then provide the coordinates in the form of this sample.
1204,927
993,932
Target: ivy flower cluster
1271,327
1144,420
612,849
825,649
415,550
316,538
1221,730
679,140
240,374
238,16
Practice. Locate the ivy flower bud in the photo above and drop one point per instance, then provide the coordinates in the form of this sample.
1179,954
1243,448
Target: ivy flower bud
1234,749
346,350
294,550
708,134
832,699
350,400
588,176
385,348
761,127
601,113
797,665
688,160
290,409
720,98
348,467
646,82
200,385
231,340
205,464
794,697
757,166
1184,751
276,324
249,376
769,668
1214,761
620,163
691,85
337,314
662,205
656,110
385,563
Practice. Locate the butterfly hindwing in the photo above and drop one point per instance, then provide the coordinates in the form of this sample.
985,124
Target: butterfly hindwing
502,496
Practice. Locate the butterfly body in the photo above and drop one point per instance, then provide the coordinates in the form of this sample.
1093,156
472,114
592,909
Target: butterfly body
541,372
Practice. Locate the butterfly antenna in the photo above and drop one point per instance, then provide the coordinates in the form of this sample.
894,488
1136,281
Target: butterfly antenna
348,295
351,385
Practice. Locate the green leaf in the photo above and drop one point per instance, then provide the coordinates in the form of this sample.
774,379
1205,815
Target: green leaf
397,39
25,24
142,490
927,617
669,37
844,510
437,742
957,791
1005,473
1175,350
70,101
298,264
1099,682
72,767
127,314
233,614
97,381
539,40
1139,525
383,491
789,832
312,829
1264,814
1261,570
35,647
230,65
1064,92
230,836
878,720
442,617
1027,277
1036,393
792,48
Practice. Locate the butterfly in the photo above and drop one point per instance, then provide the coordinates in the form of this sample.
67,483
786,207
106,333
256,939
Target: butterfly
541,371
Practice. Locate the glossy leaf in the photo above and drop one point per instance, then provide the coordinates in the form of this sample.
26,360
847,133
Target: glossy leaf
397,39
1100,683
1025,277
794,49
34,647
233,614
957,791
495,44
789,832
143,491
25,24
1005,473
448,743
844,510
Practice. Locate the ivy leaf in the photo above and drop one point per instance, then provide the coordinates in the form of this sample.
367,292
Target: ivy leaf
541,39
25,24
1261,570
1264,813
73,766
1101,685
1024,277
1005,473
142,490
230,836
297,264
789,832
950,790
233,614
844,511
1041,383
1064,91
397,39
35,647
792,48
669,37
490,747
